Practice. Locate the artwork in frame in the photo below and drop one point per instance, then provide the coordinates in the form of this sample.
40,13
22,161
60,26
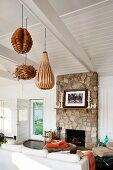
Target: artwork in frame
75,99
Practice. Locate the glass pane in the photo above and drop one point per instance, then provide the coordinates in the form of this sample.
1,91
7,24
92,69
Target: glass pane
38,117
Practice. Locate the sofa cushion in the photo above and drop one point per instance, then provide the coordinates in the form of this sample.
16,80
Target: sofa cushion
10,142
64,156
14,142
36,152
12,147
102,151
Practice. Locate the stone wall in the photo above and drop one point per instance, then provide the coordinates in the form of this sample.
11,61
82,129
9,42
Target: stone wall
79,119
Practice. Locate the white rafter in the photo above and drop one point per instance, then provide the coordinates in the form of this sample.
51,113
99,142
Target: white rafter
14,57
44,12
6,75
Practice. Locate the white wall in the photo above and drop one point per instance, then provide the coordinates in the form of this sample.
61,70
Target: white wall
105,116
30,91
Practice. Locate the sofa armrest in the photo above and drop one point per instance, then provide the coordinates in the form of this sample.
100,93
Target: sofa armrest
14,148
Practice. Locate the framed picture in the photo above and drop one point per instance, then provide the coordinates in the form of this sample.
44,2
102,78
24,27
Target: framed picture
75,99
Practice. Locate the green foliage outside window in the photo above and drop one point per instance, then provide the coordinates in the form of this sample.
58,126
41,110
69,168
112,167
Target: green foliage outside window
39,127
38,117
38,105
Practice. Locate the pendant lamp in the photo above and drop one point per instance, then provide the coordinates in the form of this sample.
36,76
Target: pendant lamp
21,39
24,71
44,77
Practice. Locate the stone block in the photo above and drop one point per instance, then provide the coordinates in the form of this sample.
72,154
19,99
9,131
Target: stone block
93,134
88,128
72,118
96,88
65,80
90,74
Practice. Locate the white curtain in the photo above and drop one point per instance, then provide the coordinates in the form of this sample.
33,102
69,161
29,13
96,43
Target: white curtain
105,114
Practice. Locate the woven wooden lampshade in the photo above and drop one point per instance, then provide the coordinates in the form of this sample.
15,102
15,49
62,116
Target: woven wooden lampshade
21,41
44,77
25,72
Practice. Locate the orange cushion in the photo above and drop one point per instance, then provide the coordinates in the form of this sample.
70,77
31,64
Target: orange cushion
57,144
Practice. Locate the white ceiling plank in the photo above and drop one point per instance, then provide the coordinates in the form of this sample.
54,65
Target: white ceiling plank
44,12
14,57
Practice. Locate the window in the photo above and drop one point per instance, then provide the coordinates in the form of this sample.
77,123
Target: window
38,108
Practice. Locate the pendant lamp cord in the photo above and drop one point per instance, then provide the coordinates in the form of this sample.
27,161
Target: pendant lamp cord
26,28
26,22
45,41
26,53
25,58
22,15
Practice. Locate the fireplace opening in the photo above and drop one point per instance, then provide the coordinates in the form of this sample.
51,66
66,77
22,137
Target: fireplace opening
76,137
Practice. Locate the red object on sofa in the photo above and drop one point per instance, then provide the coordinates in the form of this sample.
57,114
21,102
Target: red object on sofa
57,144
90,155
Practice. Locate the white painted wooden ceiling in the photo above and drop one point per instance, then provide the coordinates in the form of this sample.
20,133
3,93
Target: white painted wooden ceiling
89,21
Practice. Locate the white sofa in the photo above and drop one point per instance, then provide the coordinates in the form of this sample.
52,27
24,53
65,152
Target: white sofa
31,159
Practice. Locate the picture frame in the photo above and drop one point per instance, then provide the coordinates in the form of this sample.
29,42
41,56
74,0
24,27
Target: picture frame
75,98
